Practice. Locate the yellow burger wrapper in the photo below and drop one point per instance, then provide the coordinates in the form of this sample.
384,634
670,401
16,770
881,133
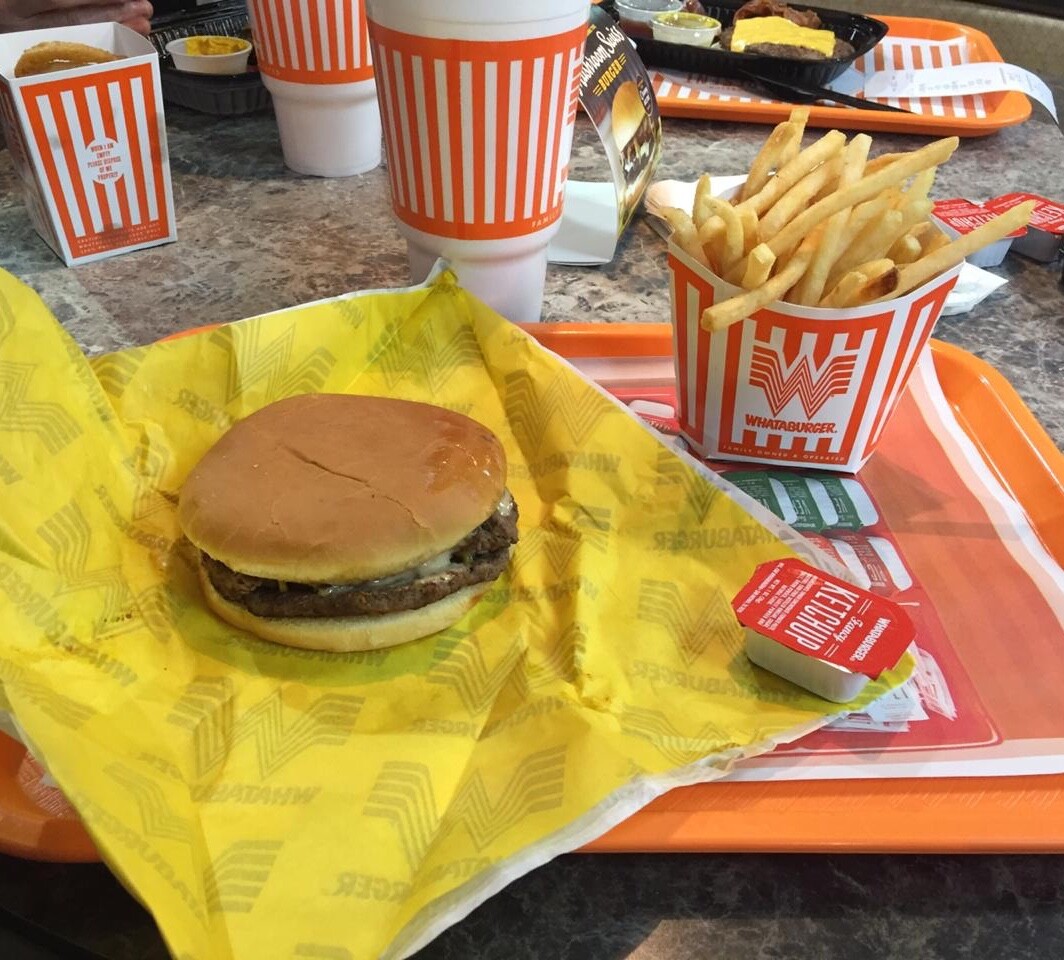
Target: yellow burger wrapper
272,802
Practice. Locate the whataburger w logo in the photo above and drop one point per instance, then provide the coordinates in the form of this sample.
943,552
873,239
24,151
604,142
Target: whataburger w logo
813,386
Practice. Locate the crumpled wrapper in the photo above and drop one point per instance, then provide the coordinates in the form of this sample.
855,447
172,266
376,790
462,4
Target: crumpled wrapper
272,802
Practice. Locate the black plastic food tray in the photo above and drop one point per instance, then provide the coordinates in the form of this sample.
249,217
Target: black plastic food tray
219,96
862,33
222,96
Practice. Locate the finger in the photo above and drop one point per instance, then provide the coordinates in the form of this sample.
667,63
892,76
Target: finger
127,12
32,9
141,25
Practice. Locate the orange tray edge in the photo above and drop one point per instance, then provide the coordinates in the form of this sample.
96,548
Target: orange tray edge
1013,108
913,816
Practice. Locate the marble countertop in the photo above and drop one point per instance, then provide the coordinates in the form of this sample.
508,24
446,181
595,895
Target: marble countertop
253,238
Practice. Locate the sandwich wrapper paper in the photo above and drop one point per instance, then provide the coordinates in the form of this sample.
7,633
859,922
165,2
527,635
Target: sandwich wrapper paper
270,802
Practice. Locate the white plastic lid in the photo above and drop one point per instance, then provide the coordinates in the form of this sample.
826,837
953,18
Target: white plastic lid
646,10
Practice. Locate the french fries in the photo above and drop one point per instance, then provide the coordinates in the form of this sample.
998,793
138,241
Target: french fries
791,173
739,308
758,266
703,192
798,119
868,282
731,250
795,200
811,287
826,226
685,233
780,148
878,234
905,250
913,275
866,188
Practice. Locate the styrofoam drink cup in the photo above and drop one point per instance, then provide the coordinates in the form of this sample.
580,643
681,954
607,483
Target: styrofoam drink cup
316,62
478,101
794,385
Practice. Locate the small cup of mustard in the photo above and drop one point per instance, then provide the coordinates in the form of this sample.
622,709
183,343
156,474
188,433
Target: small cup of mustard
688,29
210,54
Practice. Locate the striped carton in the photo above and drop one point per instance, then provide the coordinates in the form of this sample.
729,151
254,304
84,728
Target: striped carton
89,145
794,385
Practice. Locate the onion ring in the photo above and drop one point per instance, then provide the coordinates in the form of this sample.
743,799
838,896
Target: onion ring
57,55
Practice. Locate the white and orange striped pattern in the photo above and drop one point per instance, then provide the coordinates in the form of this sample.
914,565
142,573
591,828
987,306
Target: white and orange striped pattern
786,388
894,53
99,139
911,43
478,134
903,53
312,41
31,188
672,87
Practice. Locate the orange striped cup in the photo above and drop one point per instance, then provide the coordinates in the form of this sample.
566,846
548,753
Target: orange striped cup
315,60
478,101
89,145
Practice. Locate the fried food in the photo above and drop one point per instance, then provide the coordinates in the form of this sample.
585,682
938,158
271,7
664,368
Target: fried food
827,227
773,29
55,55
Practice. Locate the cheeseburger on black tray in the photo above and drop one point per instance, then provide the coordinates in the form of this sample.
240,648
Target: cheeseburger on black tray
343,523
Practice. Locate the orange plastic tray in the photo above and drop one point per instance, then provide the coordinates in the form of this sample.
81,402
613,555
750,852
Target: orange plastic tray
963,116
970,815
984,814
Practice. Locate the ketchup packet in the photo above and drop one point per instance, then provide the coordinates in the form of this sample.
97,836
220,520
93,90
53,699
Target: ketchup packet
959,217
824,617
1045,232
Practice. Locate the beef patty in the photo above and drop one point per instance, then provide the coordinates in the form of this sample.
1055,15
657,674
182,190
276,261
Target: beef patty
783,51
479,558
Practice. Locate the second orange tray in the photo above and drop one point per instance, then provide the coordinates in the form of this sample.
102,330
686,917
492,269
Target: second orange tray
911,43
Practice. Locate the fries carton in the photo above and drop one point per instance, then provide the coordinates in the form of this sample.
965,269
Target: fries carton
793,384
89,144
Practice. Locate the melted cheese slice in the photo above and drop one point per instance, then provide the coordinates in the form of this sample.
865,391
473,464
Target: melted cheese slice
780,30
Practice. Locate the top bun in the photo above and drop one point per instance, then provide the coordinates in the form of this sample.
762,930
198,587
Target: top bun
628,113
332,488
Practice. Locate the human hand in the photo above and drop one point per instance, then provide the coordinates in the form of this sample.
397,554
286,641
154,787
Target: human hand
36,14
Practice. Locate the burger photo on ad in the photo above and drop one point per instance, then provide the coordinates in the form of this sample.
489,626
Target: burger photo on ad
634,132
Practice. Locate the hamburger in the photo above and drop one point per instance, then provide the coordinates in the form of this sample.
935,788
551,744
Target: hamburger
345,523
632,129
770,28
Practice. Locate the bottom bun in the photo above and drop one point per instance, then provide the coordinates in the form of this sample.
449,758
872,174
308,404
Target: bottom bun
347,634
